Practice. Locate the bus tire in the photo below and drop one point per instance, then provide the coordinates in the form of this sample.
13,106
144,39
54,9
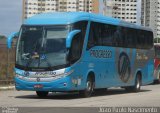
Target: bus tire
89,88
42,94
157,81
137,86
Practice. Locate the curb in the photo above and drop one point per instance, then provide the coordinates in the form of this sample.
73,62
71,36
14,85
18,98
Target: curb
7,88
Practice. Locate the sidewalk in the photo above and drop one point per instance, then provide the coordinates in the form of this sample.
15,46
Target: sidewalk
7,87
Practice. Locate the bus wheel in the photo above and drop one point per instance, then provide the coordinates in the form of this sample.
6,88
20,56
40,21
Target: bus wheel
137,86
42,94
89,88
157,81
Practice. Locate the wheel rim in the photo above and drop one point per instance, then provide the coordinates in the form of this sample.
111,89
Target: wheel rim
138,84
89,86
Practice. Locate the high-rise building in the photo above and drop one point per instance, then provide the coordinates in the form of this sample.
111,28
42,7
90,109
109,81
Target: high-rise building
107,7
32,7
122,9
150,15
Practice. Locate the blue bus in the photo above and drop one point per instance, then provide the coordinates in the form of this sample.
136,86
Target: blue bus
82,52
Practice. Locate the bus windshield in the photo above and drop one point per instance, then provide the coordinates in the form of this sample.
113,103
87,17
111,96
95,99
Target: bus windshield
42,47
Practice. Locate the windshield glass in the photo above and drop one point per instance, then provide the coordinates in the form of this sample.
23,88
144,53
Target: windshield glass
42,47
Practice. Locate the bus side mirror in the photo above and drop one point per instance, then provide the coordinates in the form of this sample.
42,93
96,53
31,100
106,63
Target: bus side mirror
10,39
70,37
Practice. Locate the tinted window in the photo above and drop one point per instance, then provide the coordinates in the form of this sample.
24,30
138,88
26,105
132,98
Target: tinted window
94,38
107,34
77,42
144,39
101,35
119,36
131,38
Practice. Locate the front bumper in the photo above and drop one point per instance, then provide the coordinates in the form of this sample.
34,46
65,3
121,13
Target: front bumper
62,84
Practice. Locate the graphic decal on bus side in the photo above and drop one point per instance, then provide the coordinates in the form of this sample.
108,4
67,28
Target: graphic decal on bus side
124,67
101,53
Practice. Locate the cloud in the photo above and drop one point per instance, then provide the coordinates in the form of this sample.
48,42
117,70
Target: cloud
10,16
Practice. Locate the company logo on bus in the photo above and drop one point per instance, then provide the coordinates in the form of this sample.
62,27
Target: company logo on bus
26,73
124,68
101,53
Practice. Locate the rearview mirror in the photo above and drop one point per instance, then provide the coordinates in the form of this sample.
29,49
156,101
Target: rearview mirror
70,37
10,39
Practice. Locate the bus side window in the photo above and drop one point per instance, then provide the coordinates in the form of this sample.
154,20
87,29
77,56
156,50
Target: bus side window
77,42
118,39
75,51
94,35
129,39
124,37
139,40
144,38
107,34
149,39
101,35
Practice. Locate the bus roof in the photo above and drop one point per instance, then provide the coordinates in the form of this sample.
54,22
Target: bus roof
61,18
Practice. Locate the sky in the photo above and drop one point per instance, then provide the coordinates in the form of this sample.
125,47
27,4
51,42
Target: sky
10,16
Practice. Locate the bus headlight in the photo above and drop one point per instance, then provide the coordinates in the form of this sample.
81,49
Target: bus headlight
65,74
68,73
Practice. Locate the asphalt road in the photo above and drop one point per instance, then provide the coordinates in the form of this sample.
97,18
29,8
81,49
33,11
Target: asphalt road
114,97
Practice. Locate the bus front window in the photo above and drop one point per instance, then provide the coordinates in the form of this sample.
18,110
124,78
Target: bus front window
42,47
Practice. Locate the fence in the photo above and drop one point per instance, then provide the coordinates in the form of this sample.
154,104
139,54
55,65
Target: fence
7,62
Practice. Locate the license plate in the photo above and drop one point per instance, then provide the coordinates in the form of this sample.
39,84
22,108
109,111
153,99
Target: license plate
38,86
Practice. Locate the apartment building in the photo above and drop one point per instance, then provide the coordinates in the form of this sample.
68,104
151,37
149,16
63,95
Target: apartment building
122,9
150,15
32,7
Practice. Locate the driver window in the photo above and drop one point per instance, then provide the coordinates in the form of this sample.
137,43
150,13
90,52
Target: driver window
78,40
